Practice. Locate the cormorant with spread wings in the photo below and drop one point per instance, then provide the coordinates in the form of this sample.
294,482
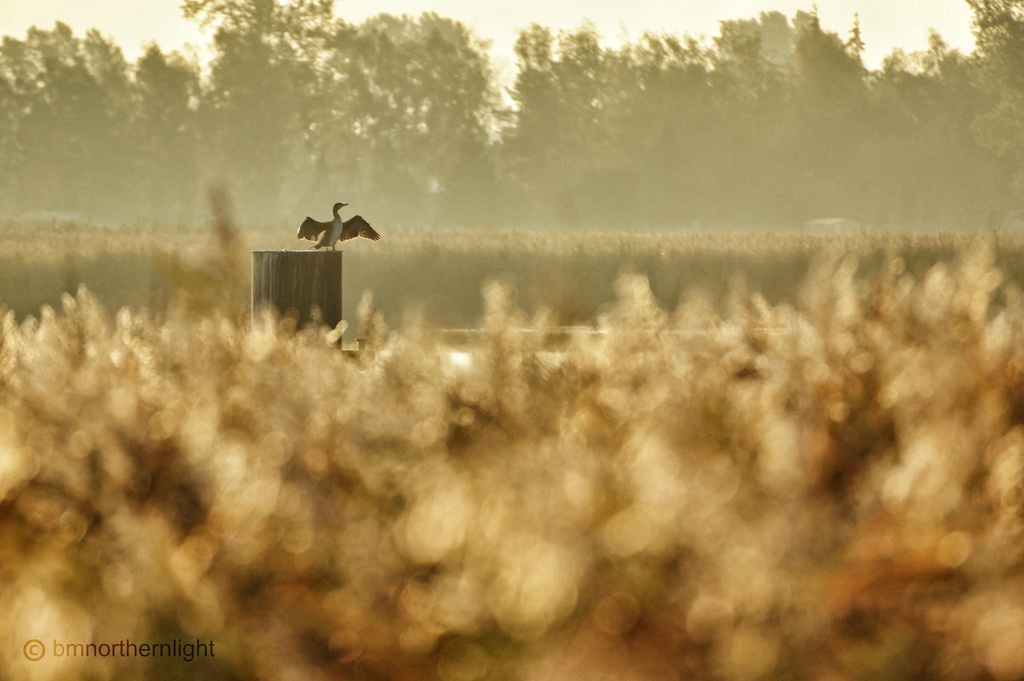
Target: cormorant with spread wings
330,233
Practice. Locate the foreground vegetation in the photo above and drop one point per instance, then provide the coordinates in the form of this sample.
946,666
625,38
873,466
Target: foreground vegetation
828,487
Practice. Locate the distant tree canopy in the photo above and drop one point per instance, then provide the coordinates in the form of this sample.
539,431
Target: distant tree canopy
774,121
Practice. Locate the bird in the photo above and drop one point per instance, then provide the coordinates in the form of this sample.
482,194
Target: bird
310,229
330,233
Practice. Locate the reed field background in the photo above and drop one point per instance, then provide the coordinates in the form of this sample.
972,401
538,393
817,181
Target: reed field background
437,273
750,456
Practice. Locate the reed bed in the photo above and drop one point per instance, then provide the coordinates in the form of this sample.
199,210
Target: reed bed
436,273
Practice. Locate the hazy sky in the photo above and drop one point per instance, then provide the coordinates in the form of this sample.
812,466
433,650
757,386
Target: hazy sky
885,23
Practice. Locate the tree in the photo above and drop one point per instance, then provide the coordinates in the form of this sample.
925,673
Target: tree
9,148
665,127
165,136
258,88
70,100
923,164
409,109
530,146
999,31
831,121
743,61
561,142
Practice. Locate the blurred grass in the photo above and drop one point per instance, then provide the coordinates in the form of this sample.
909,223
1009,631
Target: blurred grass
821,481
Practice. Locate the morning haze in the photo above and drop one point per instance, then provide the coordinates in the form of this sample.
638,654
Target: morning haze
767,120
677,358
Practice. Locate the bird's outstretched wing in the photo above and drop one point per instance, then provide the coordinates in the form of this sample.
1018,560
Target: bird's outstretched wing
357,226
310,229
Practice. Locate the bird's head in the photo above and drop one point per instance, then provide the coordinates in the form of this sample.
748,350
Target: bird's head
338,206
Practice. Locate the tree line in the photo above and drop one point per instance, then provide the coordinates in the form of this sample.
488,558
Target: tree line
773,122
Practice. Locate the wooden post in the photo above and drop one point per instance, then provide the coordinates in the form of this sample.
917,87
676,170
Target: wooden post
296,282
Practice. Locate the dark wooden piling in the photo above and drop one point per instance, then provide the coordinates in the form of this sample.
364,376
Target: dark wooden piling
297,282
